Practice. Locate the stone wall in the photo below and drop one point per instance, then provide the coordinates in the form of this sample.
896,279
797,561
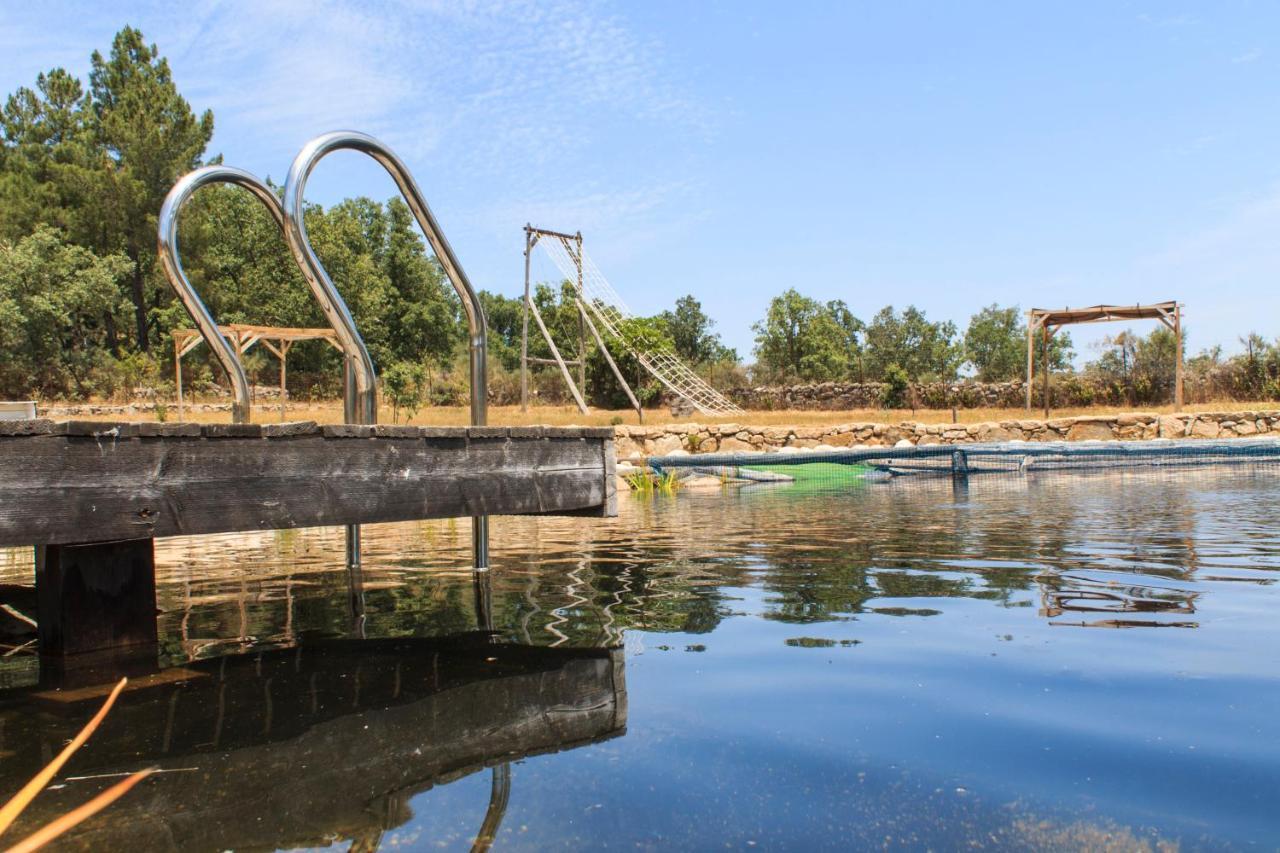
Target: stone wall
1069,391
836,396
632,441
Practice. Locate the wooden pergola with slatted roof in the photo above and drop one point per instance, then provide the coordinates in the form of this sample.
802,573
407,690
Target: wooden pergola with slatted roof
1047,321
277,339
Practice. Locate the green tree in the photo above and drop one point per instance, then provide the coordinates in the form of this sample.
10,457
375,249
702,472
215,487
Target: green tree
691,335
801,338
995,345
923,349
150,137
53,298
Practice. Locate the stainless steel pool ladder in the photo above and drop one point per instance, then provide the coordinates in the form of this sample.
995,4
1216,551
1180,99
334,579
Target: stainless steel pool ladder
360,372
330,300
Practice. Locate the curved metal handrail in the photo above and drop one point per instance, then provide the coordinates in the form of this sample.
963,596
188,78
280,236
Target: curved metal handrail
365,378
172,265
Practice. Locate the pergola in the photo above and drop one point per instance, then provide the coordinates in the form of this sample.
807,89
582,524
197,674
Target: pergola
1048,321
279,340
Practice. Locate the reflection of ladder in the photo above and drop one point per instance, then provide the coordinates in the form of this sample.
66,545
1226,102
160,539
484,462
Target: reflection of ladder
595,296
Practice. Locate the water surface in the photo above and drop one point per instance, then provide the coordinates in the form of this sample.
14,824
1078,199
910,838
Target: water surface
1058,661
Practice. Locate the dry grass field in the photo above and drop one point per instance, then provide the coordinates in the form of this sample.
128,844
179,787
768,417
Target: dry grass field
331,412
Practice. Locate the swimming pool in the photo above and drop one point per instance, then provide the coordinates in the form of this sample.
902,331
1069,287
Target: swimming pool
1065,661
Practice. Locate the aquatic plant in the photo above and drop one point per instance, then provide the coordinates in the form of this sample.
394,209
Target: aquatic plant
647,482
42,836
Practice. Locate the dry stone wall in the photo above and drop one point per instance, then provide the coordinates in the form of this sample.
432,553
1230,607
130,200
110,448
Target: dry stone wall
836,396
635,441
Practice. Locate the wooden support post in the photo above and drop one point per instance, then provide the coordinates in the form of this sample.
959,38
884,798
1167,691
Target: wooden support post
1044,356
1031,350
582,326
1177,370
177,371
96,604
529,240
564,368
604,350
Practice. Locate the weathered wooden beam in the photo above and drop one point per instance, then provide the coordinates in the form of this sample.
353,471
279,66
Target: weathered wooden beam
78,482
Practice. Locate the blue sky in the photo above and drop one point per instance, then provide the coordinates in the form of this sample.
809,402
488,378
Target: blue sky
942,154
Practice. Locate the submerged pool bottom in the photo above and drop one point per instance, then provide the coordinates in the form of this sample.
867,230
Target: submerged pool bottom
1047,663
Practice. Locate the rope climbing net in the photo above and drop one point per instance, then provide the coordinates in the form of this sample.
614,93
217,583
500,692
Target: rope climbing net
607,306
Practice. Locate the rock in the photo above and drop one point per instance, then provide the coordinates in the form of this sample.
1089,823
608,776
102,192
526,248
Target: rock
1090,431
665,444
701,481
1204,428
1172,426
905,442
732,444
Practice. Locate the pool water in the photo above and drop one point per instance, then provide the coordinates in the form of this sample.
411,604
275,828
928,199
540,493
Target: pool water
1064,661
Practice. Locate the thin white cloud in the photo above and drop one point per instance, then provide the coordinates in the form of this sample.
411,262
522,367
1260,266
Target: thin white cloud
1248,56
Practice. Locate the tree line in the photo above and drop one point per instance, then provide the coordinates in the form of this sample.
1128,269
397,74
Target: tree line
86,312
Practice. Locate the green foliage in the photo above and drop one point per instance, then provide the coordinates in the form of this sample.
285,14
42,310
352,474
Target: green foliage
926,351
691,337
54,299
403,384
995,345
98,164
896,387
803,339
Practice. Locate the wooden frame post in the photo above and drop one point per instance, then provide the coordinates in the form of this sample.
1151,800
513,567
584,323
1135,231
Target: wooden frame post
613,365
1177,370
1031,354
582,326
1044,357
177,371
530,238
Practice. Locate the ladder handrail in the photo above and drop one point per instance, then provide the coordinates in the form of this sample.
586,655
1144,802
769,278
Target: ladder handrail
364,377
167,237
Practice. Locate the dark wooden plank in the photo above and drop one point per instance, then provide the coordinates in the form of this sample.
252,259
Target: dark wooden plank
91,598
77,488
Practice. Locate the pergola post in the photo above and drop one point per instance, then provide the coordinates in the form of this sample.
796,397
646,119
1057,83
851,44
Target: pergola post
1031,354
1044,357
177,371
1177,346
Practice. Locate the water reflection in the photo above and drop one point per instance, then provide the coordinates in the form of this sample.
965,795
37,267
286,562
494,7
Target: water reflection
320,743
867,667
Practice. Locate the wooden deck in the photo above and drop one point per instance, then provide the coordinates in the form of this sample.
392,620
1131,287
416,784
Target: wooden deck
83,481
93,496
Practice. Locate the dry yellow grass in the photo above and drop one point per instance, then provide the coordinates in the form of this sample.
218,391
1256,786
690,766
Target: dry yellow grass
331,412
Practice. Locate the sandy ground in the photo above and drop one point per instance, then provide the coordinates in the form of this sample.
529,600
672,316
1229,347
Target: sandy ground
331,412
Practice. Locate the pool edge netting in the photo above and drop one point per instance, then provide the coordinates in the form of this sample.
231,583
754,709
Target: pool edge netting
1012,458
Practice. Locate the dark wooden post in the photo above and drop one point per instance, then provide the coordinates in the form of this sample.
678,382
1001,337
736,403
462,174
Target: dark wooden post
1177,369
99,597
1044,356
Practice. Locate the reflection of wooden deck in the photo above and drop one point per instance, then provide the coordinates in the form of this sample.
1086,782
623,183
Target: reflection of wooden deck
303,746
